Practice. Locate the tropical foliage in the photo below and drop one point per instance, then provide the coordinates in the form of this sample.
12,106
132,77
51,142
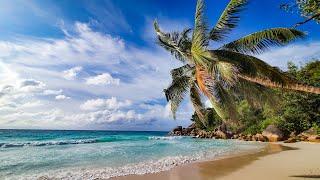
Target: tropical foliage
229,72
309,9
295,112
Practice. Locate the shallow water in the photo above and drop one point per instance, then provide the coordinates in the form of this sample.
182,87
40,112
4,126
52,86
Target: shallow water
28,154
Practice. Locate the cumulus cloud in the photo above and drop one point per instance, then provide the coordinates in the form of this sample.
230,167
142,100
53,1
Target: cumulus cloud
102,79
52,92
297,53
61,97
72,73
112,103
31,85
41,70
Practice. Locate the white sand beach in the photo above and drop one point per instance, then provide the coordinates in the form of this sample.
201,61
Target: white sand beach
293,161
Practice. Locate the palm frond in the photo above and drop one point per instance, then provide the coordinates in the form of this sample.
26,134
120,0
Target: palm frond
185,70
200,40
176,43
252,66
199,37
197,103
225,73
176,92
220,99
225,101
228,20
260,41
256,94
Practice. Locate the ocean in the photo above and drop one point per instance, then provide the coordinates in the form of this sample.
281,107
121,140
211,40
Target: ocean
64,154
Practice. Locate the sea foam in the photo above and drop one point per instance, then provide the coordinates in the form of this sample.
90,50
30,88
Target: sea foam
47,143
163,164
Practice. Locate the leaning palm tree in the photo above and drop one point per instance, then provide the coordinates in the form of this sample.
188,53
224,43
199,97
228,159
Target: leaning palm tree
229,71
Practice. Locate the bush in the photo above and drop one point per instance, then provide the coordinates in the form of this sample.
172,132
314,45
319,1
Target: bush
211,119
316,127
250,118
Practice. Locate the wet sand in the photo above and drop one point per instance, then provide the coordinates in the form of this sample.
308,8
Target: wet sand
276,161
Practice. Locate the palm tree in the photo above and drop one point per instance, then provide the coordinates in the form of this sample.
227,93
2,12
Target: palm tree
229,71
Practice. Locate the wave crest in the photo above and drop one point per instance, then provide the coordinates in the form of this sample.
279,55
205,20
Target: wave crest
48,143
131,169
165,137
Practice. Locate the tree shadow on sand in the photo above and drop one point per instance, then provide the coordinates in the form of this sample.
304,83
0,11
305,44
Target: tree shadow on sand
306,176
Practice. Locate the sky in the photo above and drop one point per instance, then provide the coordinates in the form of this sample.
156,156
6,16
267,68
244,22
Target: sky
76,64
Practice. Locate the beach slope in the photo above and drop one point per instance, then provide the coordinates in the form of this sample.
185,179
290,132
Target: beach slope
295,161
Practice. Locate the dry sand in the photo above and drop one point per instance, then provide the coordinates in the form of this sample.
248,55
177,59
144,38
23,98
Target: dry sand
277,162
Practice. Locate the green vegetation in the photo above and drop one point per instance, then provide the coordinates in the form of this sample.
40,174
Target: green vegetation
295,112
228,73
309,9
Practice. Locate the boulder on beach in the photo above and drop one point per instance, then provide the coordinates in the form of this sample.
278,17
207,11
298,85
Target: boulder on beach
273,133
314,138
260,137
290,140
220,134
309,132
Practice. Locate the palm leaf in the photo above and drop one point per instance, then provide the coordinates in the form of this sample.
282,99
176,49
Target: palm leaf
228,20
176,43
225,73
197,103
176,92
256,94
252,66
200,39
185,70
258,42
225,101
220,99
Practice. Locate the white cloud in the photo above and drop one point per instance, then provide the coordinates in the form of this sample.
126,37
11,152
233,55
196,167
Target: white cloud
33,67
102,79
297,53
61,97
72,73
112,103
31,85
52,92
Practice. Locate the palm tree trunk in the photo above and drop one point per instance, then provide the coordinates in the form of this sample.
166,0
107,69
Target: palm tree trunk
293,86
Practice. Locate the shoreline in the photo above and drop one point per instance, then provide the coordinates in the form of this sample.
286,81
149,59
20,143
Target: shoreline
276,159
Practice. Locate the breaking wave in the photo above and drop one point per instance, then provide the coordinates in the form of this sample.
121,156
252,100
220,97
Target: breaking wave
82,141
163,164
48,143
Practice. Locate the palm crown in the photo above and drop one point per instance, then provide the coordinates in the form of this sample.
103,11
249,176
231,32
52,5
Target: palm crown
228,71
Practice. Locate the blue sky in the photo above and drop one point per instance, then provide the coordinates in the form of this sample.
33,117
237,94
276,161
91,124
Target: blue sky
95,64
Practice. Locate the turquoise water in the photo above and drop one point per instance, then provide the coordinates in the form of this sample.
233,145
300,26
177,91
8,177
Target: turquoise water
28,154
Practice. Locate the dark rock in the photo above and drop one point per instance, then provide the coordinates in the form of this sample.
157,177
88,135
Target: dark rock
292,134
310,132
220,134
236,136
192,126
260,137
273,133
178,128
290,140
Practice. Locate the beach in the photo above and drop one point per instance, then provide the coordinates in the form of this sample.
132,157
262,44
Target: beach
278,161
